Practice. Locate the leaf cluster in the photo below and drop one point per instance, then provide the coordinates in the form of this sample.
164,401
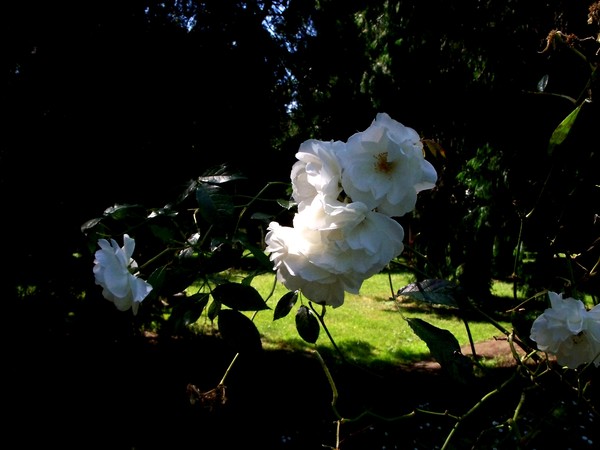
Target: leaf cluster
189,251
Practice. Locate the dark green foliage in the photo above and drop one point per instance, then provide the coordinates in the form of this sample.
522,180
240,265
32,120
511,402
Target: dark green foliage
439,292
214,207
127,104
563,129
442,344
180,248
238,331
285,304
307,324
132,104
214,308
187,310
444,348
214,201
239,297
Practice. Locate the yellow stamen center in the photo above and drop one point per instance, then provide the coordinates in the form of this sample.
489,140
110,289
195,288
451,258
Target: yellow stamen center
382,164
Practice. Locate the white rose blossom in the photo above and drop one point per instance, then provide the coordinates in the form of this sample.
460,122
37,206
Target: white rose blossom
384,167
360,241
569,331
291,250
316,171
347,194
115,271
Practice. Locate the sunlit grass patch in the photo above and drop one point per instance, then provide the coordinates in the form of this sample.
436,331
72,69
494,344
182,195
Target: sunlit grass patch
367,327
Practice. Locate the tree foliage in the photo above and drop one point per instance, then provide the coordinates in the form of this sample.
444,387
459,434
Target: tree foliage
135,103
108,101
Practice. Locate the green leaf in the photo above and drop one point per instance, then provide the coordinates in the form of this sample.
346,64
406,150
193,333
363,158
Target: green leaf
121,212
442,344
285,304
221,174
165,212
189,189
188,310
240,297
223,256
116,213
90,224
157,278
221,179
307,324
444,348
170,279
208,209
165,234
259,254
239,331
213,310
564,128
434,291
287,204
215,205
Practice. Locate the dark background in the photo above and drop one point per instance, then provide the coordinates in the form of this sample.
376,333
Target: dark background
125,102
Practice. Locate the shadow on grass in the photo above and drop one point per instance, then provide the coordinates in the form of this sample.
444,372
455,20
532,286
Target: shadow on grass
81,390
95,387
353,351
497,308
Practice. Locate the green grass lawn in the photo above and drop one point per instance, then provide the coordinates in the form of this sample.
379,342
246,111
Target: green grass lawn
368,327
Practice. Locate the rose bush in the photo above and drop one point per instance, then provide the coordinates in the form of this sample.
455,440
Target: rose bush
342,228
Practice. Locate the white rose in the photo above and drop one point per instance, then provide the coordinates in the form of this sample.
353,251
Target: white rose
359,241
327,214
293,251
384,167
378,238
569,331
113,267
317,171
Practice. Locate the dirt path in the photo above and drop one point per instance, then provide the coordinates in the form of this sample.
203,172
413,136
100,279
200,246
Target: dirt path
497,349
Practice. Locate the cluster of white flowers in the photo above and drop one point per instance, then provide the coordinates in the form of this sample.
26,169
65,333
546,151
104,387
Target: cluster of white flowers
115,271
347,194
569,331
